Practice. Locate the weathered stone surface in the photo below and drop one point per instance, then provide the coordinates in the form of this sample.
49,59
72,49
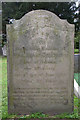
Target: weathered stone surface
40,64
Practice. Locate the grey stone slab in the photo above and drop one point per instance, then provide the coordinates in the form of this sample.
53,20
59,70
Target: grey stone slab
40,64
1,53
76,63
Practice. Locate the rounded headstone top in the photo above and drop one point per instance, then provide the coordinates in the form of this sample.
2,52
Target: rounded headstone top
46,17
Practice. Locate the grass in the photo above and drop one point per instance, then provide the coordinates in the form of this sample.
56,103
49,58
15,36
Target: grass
76,51
4,106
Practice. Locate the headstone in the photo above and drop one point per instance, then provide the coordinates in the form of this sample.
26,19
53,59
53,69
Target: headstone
40,64
4,49
1,53
76,89
76,63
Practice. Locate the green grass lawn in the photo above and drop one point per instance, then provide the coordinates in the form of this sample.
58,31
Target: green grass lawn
4,105
76,51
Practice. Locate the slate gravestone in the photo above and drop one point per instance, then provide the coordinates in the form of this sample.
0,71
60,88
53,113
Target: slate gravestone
1,53
76,63
40,64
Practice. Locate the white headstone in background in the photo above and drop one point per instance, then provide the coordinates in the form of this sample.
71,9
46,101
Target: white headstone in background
4,49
